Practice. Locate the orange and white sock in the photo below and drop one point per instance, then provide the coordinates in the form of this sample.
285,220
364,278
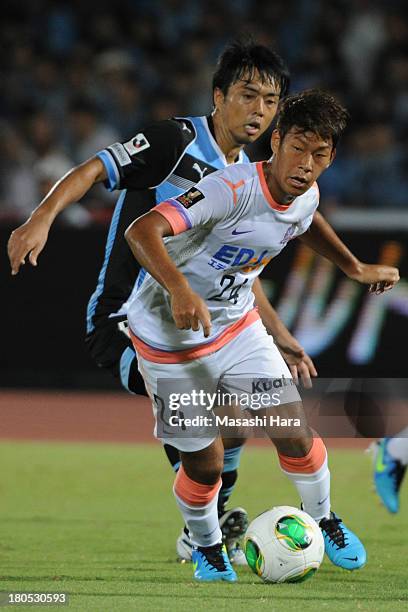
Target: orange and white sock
311,477
198,505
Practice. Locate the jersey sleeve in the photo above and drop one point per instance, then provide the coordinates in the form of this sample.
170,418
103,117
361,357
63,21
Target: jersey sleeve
145,160
209,202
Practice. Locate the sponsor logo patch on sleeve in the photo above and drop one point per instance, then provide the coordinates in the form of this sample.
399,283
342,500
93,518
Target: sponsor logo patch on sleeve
119,153
137,144
192,196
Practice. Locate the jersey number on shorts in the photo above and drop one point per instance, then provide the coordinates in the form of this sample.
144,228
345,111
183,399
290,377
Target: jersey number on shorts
227,283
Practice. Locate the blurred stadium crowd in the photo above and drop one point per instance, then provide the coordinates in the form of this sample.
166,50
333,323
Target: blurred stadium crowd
77,78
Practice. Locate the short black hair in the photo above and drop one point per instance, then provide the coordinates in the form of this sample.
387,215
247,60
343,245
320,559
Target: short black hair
313,110
242,58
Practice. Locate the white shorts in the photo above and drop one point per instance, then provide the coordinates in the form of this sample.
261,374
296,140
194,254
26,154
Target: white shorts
249,365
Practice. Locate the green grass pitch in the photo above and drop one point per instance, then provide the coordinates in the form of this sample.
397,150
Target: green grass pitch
100,522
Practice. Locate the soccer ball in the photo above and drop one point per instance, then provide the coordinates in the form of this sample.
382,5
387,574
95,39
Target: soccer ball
284,544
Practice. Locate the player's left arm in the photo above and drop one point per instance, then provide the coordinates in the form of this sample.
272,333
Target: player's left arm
299,362
322,238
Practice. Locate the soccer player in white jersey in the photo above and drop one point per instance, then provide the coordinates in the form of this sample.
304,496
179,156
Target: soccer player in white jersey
162,161
202,251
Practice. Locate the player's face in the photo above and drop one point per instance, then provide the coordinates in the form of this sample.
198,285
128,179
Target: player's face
248,108
299,159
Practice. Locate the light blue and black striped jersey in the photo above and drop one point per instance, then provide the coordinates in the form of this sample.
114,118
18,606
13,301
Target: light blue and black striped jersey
165,160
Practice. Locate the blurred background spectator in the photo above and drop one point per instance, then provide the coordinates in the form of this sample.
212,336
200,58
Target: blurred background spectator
75,80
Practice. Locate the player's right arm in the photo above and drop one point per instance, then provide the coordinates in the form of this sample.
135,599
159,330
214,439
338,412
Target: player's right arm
204,205
30,238
145,238
141,163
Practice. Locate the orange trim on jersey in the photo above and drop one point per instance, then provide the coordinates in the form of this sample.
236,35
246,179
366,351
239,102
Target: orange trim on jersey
266,192
194,493
234,187
309,464
176,220
157,356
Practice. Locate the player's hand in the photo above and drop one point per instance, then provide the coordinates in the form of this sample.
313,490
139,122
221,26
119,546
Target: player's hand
28,239
300,364
379,278
189,310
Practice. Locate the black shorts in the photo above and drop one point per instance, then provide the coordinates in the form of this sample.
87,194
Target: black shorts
111,348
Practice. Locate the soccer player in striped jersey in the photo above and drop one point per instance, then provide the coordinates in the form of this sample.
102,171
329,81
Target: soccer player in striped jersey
202,252
164,160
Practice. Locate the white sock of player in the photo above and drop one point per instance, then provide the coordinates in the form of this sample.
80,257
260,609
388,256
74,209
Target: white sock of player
398,446
311,477
198,505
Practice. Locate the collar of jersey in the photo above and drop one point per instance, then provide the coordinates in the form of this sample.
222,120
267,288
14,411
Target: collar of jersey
216,146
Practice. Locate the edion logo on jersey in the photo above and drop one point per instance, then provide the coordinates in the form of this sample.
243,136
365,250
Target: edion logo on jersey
246,259
137,144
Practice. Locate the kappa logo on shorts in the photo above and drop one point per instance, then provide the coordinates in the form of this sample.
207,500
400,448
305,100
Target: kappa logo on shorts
266,384
137,144
190,197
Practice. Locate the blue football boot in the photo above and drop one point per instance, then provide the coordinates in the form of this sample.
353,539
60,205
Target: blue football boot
388,476
211,563
341,545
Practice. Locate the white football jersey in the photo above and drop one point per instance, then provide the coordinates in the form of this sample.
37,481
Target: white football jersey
226,229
